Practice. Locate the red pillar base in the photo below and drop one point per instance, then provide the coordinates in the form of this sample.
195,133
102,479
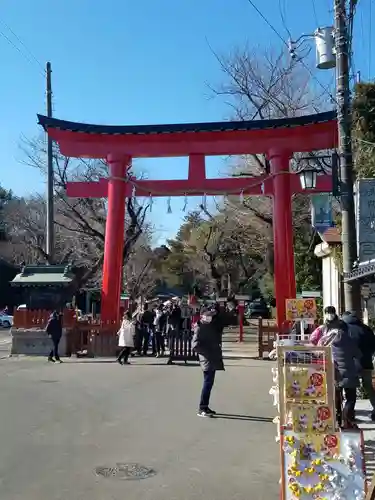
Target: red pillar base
285,283
114,239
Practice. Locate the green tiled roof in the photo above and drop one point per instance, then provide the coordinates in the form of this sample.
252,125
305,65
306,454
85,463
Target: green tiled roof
44,275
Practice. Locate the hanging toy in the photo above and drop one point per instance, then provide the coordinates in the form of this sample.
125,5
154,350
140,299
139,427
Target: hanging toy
169,208
151,202
185,203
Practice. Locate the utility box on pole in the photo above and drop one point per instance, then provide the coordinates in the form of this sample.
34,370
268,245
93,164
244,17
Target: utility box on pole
325,48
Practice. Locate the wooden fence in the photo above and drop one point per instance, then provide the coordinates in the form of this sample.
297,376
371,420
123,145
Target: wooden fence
25,318
93,338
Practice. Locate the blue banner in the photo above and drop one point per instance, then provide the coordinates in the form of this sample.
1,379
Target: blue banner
321,212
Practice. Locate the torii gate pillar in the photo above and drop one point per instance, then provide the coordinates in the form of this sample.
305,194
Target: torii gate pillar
114,238
285,281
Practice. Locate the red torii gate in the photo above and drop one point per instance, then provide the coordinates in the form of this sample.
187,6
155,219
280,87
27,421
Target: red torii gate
277,138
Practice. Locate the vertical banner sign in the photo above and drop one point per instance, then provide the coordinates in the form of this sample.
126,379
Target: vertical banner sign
366,219
321,212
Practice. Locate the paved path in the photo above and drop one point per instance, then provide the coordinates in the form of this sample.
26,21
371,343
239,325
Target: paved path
5,342
60,422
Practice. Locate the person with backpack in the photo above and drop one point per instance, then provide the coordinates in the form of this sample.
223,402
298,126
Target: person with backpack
365,338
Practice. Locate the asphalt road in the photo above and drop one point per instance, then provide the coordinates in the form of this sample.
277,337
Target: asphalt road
5,342
58,423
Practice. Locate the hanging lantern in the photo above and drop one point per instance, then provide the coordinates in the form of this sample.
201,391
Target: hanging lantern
169,208
308,178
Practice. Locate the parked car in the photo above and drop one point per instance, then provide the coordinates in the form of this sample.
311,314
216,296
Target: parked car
258,308
6,321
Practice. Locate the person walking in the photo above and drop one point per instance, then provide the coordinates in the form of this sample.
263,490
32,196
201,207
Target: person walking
126,338
365,338
206,343
54,330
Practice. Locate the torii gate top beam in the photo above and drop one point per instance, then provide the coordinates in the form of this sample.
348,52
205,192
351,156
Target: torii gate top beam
298,134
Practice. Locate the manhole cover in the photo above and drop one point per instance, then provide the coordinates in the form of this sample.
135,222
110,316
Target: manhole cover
125,471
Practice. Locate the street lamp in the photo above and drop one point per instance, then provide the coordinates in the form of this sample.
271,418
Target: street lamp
308,168
308,178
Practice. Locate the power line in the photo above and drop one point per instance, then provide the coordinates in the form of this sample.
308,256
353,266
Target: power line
27,54
267,22
282,15
326,90
315,14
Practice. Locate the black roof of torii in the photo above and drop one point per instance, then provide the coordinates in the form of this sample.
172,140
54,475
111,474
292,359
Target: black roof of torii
225,126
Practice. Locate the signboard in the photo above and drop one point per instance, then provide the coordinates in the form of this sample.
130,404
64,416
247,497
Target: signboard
321,212
365,199
297,309
311,294
365,291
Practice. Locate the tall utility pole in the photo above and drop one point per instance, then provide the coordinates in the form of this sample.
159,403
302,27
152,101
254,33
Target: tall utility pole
352,295
50,240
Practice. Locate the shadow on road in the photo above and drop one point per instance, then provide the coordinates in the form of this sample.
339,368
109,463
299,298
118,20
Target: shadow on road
250,418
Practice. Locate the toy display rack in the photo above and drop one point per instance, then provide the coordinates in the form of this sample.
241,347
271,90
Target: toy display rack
312,358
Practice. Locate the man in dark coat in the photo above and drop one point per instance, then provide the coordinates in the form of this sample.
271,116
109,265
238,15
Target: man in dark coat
174,327
365,339
206,342
346,357
146,325
54,329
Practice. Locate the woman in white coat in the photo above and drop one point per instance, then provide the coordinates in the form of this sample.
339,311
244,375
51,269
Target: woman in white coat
126,338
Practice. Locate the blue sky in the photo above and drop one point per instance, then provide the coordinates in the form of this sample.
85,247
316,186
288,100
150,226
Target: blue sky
134,62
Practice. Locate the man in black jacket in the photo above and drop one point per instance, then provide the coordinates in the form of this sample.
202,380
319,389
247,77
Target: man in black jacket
366,342
206,343
54,329
146,324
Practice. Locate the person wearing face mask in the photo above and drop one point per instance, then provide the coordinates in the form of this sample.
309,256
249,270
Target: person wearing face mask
331,321
346,357
206,343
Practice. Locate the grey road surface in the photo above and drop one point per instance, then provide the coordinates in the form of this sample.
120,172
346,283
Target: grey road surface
58,423
5,342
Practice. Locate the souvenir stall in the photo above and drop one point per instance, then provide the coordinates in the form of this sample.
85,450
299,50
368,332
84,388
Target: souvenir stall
317,460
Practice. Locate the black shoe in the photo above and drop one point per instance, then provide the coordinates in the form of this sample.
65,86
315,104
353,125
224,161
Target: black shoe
51,360
58,360
119,361
210,412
